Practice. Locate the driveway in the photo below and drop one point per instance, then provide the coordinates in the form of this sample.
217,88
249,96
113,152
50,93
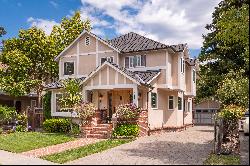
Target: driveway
191,146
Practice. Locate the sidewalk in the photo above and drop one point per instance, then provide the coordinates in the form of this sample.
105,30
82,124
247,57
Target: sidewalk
8,158
244,149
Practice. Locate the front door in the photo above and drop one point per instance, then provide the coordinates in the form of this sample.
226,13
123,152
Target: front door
110,106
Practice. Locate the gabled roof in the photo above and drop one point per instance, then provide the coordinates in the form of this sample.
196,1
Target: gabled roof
58,84
138,77
190,61
91,34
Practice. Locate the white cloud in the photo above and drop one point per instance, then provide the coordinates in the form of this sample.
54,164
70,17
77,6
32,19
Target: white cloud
46,25
54,4
168,21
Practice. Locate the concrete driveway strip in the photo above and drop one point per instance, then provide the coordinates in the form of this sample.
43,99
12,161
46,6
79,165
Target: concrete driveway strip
191,146
8,158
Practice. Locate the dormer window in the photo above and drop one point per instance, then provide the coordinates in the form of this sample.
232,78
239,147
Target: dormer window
68,68
87,41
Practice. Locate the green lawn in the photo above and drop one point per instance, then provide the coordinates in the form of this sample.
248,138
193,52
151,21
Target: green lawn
214,159
74,154
25,141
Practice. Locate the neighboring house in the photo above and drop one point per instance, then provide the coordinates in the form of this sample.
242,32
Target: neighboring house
204,112
130,69
20,103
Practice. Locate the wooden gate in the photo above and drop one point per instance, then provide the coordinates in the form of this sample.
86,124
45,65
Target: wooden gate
35,118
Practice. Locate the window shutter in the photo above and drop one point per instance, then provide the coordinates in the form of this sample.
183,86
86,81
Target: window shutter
143,60
126,62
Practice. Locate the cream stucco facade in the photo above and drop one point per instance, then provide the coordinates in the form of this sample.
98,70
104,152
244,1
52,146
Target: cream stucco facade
111,85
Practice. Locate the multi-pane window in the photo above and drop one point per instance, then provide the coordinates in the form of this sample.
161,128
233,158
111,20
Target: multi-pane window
194,76
68,68
87,41
135,61
58,105
153,100
179,103
171,102
109,59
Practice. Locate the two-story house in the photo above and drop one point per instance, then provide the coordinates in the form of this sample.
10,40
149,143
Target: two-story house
130,69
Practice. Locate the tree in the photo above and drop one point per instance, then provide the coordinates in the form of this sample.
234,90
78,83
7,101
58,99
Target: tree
2,31
71,96
225,49
38,50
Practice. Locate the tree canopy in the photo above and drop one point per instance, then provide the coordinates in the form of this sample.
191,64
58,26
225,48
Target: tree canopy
30,56
225,51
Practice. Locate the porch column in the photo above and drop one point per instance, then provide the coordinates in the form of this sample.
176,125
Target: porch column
135,95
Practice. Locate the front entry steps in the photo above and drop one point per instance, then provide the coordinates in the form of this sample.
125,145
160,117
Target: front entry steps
100,131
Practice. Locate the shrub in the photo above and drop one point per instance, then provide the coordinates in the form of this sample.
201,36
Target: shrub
85,111
75,129
126,130
231,112
21,128
127,111
7,114
57,125
47,105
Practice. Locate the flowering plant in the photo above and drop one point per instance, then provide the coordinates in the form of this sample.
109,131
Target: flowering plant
231,112
127,111
85,111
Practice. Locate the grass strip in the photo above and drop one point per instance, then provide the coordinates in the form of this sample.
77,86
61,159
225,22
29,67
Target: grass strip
25,141
214,159
74,154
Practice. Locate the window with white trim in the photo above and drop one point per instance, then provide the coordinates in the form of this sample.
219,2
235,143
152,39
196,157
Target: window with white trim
179,103
135,61
87,40
170,102
109,59
153,100
189,106
194,75
69,68
182,63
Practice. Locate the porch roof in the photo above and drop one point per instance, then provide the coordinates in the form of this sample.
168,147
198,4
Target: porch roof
139,77
58,84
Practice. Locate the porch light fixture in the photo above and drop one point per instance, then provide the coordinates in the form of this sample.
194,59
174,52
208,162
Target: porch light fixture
100,96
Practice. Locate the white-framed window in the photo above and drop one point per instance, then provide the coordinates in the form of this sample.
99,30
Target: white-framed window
135,61
182,63
68,68
87,40
109,59
153,100
194,75
179,103
170,102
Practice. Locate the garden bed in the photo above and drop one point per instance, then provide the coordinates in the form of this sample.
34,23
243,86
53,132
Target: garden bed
214,159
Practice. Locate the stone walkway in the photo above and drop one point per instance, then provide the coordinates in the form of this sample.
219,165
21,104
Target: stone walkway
60,147
191,146
244,149
8,158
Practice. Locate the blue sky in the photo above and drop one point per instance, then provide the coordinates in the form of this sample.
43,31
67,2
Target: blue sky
167,21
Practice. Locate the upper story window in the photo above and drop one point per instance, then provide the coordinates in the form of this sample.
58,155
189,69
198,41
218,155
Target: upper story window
182,63
170,102
179,103
109,59
194,75
69,68
135,61
87,40
153,100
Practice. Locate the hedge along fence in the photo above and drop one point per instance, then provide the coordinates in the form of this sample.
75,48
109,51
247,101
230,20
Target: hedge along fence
227,130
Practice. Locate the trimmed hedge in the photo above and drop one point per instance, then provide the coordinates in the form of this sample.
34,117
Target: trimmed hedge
57,125
126,130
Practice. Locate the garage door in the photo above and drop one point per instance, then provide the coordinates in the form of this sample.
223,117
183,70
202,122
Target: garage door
204,117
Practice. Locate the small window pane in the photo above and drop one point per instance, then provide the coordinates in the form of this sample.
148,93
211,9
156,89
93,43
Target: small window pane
103,60
58,105
111,59
153,100
171,102
138,60
127,62
134,61
193,75
131,61
179,103
68,68
143,60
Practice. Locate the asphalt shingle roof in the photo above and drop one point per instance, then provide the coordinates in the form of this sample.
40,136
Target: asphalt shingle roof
58,84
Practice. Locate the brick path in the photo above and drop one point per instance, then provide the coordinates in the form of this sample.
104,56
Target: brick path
60,147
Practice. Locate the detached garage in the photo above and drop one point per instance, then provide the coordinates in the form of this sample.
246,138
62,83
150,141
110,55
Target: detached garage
204,112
